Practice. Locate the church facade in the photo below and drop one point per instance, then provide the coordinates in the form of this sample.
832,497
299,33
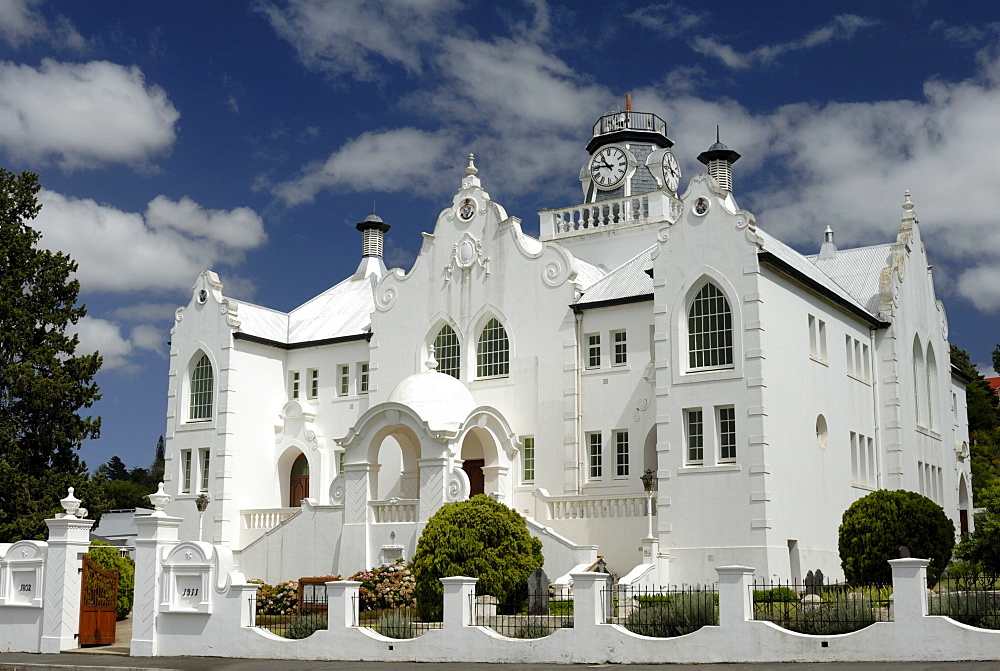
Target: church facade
652,328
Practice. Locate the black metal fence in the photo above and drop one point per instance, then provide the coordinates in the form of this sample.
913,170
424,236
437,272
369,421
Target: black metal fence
821,608
663,613
534,616
396,622
293,623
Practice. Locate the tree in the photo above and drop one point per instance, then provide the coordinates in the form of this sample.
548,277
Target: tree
996,359
984,425
115,469
44,384
875,526
981,548
159,460
109,557
480,538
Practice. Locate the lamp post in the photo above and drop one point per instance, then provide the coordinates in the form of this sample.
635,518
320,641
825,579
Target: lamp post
649,483
201,503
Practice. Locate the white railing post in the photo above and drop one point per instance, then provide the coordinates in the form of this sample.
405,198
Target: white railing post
342,604
458,591
735,599
155,532
591,599
909,589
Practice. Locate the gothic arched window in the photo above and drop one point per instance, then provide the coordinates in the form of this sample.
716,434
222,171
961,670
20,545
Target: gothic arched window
448,352
710,329
492,351
202,387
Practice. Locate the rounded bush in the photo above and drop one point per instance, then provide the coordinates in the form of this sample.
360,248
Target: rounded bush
480,538
683,614
875,526
306,625
109,557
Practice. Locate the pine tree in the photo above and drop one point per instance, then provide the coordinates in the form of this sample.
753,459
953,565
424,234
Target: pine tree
43,383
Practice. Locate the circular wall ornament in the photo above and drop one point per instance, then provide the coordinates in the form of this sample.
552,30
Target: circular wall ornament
467,209
700,207
202,296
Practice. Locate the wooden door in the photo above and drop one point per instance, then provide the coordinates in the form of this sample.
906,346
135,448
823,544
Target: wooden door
298,482
474,469
98,602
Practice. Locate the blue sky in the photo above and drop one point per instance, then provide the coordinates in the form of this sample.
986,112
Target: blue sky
250,137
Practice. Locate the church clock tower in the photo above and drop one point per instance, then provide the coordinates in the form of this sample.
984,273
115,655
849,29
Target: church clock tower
629,155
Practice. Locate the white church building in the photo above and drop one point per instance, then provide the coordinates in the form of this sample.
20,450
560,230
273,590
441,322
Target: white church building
654,326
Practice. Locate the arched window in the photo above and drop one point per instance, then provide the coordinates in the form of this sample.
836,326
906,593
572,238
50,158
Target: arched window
201,390
710,329
932,388
492,351
919,382
447,352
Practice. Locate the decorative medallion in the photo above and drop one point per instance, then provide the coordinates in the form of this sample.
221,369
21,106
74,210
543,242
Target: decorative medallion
467,252
202,296
700,207
467,209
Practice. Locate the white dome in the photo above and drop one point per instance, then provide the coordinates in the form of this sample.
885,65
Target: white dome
436,397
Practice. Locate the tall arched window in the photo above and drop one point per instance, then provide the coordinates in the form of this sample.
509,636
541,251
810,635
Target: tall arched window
919,382
492,351
932,388
202,383
448,352
710,329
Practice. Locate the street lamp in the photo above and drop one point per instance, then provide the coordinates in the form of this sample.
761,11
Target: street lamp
649,484
201,503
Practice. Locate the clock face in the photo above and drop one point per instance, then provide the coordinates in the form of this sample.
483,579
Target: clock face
671,171
608,167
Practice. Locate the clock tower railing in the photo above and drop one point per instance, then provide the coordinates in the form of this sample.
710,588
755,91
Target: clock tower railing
629,120
603,216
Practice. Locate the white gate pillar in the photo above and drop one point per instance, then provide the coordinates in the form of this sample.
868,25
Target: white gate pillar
69,540
155,532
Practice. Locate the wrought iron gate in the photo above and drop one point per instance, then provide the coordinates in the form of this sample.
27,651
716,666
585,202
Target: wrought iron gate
98,602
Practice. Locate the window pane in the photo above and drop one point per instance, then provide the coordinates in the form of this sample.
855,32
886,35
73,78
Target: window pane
727,434
596,458
447,352
201,389
621,453
696,436
528,460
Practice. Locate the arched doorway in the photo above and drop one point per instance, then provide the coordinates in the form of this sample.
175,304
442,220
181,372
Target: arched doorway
963,506
298,482
474,459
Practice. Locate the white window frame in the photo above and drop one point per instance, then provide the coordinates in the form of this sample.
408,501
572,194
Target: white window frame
447,348
204,464
493,350
619,343
363,377
621,453
294,384
201,392
725,418
593,355
343,380
724,352
186,468
595,456
528,459
313,380
694,418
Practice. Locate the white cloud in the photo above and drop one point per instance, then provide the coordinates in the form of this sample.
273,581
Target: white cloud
145,312
21,22
668,19
81,115
843,27
151,338
354,37
105,337
404,159
163,249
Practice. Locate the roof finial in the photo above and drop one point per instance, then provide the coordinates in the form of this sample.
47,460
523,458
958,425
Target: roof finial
431,362
717,133
373,206
907,203
471,168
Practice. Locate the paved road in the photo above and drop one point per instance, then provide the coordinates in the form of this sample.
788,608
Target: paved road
89,662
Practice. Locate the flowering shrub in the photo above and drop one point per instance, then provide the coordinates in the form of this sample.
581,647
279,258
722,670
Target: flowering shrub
385,587
279,599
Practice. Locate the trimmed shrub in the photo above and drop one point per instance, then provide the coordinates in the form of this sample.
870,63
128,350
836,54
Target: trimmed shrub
840,617
385,587
305,625
110,558
683,614
975,608
775,595
480,538
875,526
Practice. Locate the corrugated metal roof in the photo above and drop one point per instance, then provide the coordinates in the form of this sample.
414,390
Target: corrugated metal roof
342,310
588,273
807,268
858,271
627,280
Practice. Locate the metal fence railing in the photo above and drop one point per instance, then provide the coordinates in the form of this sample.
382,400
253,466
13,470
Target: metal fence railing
821,608
297,622
533,616
397,622
967,596
663,613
